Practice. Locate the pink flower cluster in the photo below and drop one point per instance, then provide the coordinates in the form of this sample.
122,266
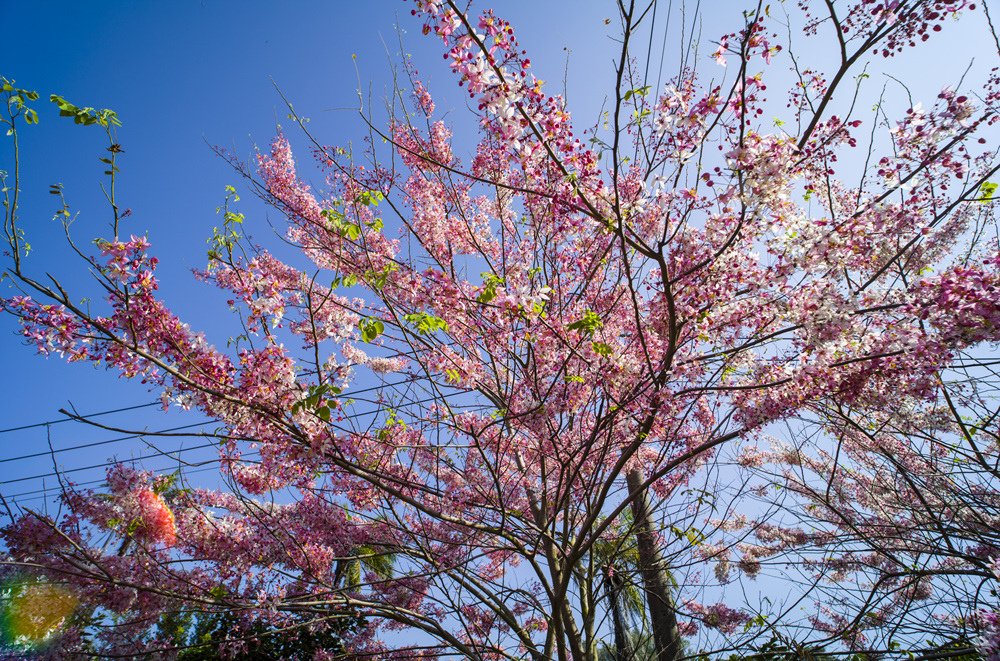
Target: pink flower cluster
50,327
719,616
988,643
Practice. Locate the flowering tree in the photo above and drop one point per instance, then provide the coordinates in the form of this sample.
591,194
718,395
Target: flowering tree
653,358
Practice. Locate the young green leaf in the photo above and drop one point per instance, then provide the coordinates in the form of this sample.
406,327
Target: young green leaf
589,323
371,329
425,324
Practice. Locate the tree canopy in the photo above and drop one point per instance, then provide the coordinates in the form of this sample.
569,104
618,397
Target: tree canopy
691,381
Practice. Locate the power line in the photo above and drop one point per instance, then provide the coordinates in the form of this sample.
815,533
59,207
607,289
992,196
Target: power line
161,453
80,418
33,495
72,418
40,494
97,443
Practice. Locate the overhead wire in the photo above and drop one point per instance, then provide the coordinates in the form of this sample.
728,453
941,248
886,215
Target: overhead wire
82,418
105,464
40,494
92,444
171,454
70,418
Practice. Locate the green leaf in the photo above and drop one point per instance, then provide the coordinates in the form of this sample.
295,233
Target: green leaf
693,536
313,400
489,291
370,329
758,621
166,483
425,323
601,349
392,420
377,279
370,198
986,191
337,222
85,116
638,91
333,216
589,323
350,231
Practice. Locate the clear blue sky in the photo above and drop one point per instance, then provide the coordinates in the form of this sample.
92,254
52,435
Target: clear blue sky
186,75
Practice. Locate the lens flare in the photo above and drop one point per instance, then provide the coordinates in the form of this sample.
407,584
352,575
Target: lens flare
33,613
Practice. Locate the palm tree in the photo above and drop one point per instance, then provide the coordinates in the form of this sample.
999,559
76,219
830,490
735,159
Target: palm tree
617,560
347,572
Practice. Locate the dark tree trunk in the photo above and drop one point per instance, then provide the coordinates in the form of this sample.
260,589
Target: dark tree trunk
655,579
613,586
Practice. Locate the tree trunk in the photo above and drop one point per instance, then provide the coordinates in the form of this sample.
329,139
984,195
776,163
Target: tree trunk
652,568
613,585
